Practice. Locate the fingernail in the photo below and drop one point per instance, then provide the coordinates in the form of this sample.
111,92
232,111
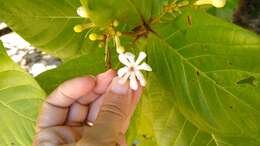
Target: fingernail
107,72
94,109
103,80
92,76
118,88
90,124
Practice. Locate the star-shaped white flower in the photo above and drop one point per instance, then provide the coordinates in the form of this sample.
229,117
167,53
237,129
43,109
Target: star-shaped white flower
132,69
215,3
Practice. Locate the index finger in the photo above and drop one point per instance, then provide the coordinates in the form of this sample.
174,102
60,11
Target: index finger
55,108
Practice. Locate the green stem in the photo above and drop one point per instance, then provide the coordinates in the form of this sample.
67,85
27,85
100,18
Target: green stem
108,61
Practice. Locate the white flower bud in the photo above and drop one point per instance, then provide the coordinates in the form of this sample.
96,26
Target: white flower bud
215,3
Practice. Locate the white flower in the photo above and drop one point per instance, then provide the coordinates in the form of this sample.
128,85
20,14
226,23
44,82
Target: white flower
81,11
215,3
132,69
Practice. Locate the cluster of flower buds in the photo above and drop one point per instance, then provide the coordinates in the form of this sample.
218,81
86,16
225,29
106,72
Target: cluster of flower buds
132,69
81,27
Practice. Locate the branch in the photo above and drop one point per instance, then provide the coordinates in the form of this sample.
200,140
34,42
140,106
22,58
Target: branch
5,31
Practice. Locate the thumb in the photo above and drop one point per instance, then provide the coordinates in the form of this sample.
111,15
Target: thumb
113,114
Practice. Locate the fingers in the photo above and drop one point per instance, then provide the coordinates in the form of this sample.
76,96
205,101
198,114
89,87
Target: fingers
122,140
94,109
96,106
55,109
135,99
70,91
55,136
51,115
103,81
68,104
77,114
113,113
87,99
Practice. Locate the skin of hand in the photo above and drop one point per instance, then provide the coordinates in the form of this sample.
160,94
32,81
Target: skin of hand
87,111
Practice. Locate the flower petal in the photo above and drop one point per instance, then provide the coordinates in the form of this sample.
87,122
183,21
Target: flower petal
122,71
82,12
140,77
145,66
130,57
124,78
141,57
133,81
123,59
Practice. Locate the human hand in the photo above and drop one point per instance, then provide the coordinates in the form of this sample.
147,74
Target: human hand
101,103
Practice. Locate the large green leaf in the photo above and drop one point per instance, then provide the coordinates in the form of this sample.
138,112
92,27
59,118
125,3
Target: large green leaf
212,68
47,25
20,97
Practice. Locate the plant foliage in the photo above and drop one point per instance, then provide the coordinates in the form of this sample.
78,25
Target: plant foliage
204,89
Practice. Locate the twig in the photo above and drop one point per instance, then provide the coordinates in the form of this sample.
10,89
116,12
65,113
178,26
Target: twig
107,54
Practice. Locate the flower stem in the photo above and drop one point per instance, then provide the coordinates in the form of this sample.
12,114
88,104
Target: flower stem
108,61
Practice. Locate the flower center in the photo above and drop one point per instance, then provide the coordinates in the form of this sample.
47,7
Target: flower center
131,68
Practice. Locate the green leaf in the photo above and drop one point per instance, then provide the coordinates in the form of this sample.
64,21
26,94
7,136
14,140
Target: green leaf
20,98
211,68
47,25
157,122
131,12
236,141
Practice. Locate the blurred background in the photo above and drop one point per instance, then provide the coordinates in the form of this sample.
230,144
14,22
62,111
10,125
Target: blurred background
28,57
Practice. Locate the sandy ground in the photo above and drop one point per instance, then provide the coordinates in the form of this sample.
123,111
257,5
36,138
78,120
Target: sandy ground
28,57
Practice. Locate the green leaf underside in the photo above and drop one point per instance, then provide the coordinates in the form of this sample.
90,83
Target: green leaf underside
207,66
46,25
20,98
